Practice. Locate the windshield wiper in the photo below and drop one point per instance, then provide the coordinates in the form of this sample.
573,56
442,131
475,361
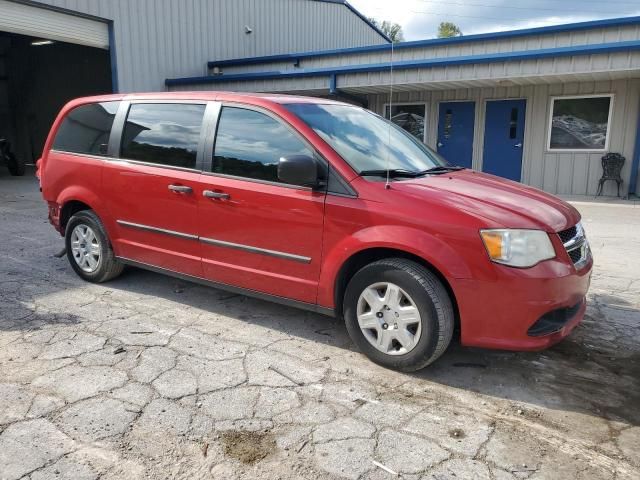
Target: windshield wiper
441,169
393,173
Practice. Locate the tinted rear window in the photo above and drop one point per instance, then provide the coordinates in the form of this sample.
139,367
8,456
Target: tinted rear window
86,129
167,134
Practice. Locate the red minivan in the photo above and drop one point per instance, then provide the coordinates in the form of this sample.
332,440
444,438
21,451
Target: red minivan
320,205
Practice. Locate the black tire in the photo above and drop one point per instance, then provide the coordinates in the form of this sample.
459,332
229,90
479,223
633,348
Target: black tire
428,294
108,266
16,167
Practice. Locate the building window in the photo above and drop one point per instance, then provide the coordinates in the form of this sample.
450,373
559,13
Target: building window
411,117
166,134
580,123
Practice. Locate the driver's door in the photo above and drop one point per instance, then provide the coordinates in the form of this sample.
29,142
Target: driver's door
256,232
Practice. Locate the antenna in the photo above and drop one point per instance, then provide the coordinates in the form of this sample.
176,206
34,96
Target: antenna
387,185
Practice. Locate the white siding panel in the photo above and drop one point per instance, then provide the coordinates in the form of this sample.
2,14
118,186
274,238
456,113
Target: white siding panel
52,25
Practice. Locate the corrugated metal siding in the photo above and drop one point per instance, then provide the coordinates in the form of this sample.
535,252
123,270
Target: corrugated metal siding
158,39
475,47
574,173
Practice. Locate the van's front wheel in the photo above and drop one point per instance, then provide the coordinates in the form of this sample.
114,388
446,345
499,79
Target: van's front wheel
89,250
399,314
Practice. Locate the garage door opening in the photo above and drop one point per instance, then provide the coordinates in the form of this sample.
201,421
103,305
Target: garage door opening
37,77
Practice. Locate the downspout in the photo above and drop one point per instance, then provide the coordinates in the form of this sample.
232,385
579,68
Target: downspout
333,84
335,92
113,58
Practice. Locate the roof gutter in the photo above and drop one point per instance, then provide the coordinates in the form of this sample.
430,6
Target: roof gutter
580,50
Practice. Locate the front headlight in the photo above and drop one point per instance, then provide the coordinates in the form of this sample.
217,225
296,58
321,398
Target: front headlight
517,248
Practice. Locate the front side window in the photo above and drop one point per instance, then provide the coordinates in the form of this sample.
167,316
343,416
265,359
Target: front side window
410,118
250,144
580,123
367,141
167,134
86,129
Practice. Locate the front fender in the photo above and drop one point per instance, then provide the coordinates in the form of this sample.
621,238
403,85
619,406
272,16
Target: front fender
436,251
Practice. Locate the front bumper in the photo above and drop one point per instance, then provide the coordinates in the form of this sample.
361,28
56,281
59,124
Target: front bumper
505,312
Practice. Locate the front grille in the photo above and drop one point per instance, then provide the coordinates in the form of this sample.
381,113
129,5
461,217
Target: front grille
575,255
575,242
568,234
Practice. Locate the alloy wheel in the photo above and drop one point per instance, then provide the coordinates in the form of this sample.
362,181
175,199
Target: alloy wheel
389,318
85,248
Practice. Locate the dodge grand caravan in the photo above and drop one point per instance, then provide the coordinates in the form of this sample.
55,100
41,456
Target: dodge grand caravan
320,205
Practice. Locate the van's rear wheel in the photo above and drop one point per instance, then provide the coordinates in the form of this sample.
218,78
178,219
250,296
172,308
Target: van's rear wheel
399,314
89,250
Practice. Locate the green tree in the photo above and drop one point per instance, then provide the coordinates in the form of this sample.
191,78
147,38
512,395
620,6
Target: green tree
390,29
448,29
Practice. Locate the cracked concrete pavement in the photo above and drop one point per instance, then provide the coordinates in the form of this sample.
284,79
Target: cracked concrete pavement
150,377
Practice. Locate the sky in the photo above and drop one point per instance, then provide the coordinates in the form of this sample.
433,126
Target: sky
420,18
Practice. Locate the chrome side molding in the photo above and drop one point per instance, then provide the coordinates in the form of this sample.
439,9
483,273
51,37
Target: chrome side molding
148,228
261,251
218,243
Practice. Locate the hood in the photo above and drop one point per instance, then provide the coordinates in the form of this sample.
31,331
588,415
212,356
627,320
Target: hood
508,204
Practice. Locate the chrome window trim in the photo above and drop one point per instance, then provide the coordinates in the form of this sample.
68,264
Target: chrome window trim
218,243
148,228
151,164
258,250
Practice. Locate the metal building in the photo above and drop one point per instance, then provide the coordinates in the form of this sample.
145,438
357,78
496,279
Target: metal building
540,106
55,50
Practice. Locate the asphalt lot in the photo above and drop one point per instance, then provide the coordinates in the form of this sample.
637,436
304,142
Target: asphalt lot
150,377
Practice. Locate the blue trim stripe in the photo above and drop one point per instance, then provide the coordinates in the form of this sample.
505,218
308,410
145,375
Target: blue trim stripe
410,64
612,22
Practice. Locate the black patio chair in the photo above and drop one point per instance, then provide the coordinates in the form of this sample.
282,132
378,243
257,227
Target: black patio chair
612,164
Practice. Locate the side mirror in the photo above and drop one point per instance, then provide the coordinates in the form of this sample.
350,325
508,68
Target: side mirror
298,170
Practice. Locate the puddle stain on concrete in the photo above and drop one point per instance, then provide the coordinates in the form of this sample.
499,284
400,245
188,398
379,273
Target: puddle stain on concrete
248,447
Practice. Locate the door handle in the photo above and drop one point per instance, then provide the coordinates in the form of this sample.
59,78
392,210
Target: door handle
518,145
219,195
440,144
180,188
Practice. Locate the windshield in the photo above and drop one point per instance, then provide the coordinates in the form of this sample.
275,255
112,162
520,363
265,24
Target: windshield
365,140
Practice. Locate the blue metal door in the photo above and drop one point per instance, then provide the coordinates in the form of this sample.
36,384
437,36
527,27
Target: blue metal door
504,138
455,132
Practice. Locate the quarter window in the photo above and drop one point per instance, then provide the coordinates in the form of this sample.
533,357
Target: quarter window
86,129
167,134
580,123
250,144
